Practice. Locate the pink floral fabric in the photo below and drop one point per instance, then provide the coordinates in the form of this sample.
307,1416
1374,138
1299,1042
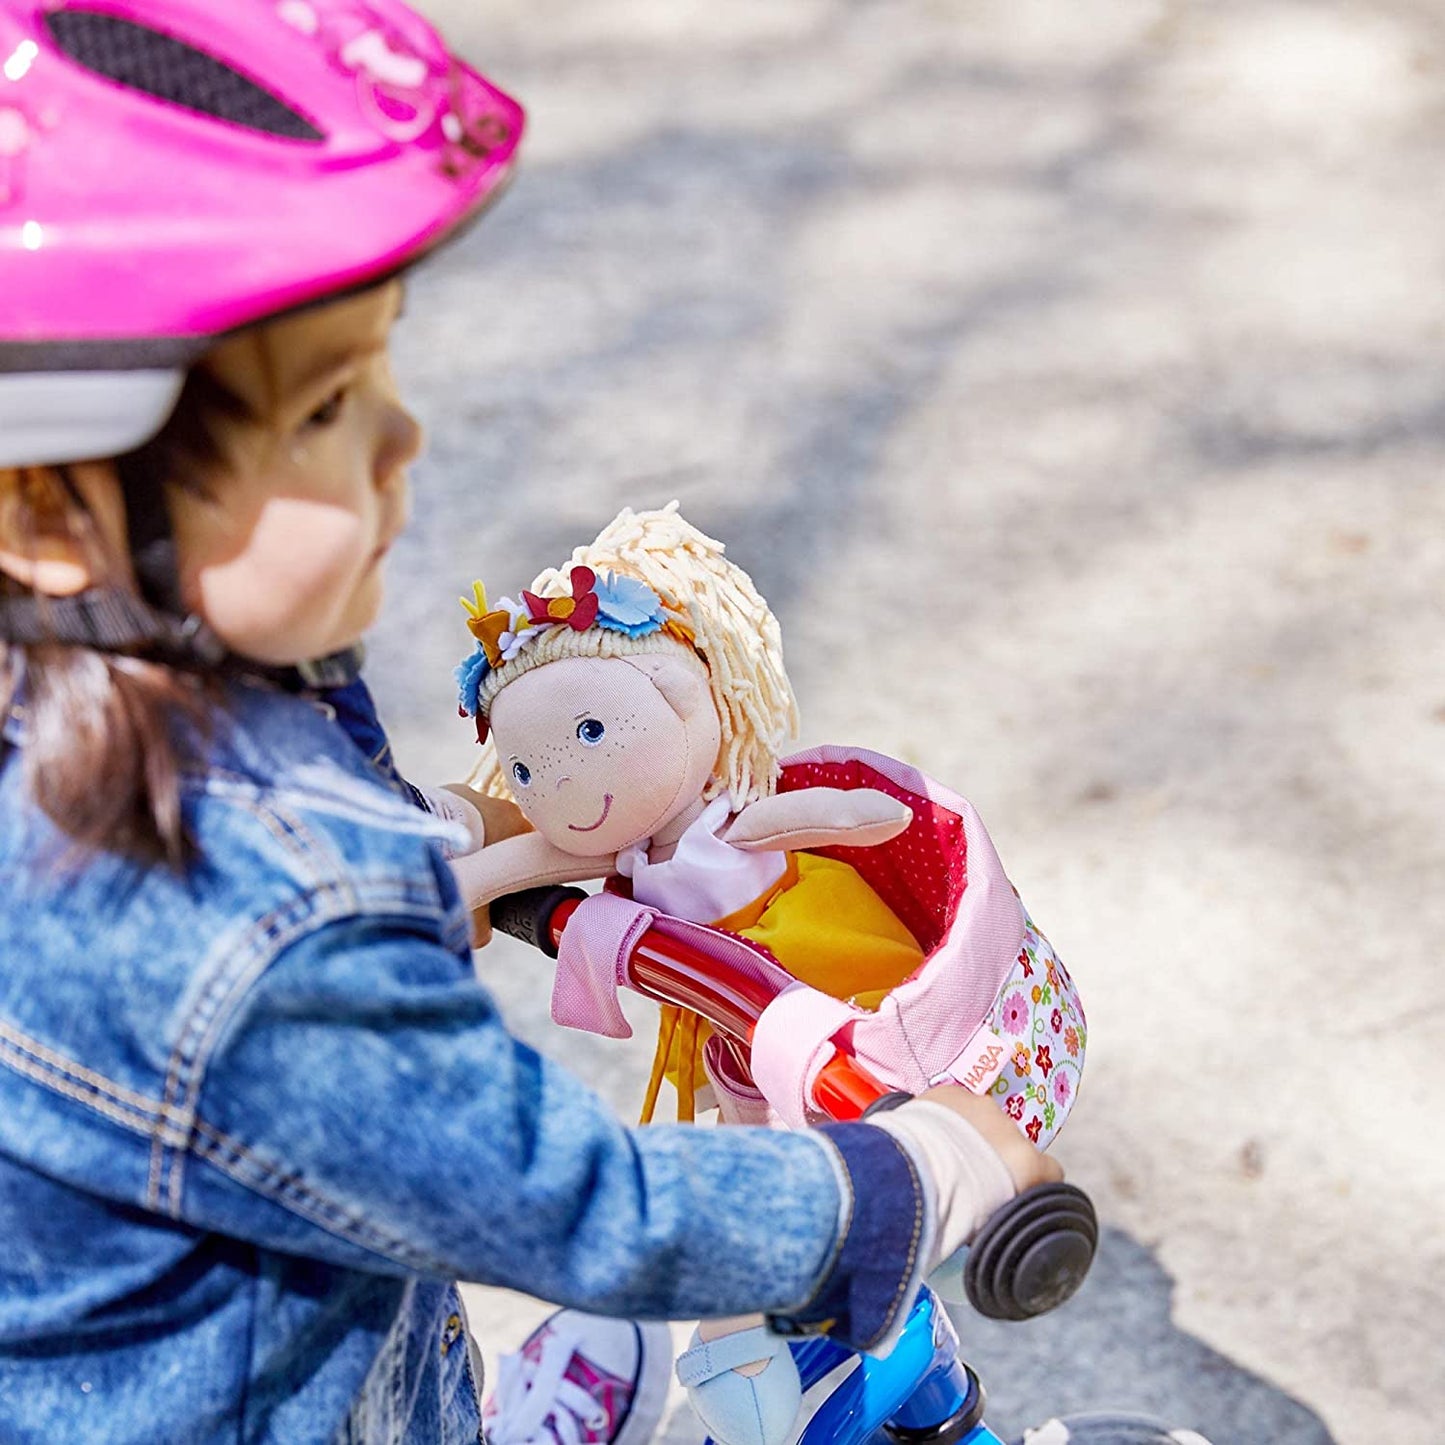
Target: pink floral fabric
1039,1018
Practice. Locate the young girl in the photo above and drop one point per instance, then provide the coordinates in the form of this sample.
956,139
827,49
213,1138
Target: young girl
256,1115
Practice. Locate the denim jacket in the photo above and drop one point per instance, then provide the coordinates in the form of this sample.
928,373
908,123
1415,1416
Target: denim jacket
256,1118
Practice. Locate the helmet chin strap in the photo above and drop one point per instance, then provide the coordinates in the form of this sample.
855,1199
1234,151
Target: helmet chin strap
153,555
109,620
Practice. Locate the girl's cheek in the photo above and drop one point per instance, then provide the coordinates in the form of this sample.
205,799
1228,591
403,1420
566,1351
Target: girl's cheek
283,583
310,540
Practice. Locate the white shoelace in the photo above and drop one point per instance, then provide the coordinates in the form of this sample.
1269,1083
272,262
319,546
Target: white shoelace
528,1391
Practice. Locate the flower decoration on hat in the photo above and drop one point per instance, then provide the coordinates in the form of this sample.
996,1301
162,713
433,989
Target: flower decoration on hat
626,605
502,631
469,674
616,603
579,611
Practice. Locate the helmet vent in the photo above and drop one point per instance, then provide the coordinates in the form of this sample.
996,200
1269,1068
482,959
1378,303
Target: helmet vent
168,69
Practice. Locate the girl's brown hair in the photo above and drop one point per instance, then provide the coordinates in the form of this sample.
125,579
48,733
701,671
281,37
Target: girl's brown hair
108,737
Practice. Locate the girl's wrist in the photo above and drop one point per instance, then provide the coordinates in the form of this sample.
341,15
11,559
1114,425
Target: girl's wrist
965,1177
886,1229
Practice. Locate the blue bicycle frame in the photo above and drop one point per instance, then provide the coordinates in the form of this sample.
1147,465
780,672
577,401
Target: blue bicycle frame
920,1392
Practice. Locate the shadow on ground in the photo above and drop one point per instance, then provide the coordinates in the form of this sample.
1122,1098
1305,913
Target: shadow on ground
1115,1347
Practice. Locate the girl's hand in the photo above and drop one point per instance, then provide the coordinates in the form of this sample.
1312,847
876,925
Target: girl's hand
1025,1164
971,1158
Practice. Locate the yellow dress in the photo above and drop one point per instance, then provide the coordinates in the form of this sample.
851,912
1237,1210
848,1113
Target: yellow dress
827,927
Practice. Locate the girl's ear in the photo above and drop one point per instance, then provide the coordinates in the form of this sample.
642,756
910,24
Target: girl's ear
682,683
48,534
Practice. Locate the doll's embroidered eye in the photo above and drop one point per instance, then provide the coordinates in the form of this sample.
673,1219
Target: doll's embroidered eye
590,732
522,775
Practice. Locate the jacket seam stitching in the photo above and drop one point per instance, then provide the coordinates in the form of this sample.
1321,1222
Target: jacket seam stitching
913,1241
406,818
228,1154
298,840
169,1127
185,1071
844,1176
264,942
49,1060
58,1081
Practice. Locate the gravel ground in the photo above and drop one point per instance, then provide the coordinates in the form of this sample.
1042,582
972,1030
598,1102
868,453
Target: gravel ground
1069,377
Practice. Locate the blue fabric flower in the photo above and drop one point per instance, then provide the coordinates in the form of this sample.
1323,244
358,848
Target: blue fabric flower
626,605
469,674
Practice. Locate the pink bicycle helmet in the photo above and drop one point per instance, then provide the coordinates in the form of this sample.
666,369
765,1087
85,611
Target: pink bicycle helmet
171,170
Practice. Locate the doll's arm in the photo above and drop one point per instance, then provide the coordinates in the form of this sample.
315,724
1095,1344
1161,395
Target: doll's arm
522,862
819,817
489,820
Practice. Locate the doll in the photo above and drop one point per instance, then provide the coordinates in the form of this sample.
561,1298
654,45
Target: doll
638,721
635,706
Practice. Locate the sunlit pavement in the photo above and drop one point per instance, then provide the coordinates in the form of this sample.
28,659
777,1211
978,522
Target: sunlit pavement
1070,379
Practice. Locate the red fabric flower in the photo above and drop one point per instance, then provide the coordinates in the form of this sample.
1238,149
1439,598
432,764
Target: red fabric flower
579,611
1043,1059
1033,1129
1014,1108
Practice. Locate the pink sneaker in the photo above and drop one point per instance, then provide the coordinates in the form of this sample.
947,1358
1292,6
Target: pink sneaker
581,1380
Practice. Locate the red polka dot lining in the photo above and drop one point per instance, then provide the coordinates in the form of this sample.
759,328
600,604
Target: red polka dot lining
921,874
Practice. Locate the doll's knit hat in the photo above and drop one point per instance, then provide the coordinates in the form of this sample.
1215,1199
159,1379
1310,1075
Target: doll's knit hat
611,615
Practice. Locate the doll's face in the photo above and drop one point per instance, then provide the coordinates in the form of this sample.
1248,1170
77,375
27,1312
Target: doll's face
602,752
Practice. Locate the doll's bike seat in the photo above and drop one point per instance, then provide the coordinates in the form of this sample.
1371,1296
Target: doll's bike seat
988,1008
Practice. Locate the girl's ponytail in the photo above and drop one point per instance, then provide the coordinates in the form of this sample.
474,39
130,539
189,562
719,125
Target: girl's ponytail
107,737
105,745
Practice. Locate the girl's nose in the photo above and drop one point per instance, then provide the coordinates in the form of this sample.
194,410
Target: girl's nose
401,441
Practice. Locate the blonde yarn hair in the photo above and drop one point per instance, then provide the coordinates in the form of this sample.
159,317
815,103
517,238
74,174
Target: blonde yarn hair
733,629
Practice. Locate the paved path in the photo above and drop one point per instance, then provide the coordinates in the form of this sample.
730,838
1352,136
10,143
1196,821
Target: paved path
1072,379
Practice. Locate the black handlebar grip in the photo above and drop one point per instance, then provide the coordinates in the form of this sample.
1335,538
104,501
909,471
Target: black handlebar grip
528,915
884,1102
1032,1254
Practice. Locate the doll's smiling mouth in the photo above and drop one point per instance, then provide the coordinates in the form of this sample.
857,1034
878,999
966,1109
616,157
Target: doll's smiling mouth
593,827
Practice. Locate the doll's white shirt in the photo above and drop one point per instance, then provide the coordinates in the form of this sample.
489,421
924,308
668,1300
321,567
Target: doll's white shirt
706,878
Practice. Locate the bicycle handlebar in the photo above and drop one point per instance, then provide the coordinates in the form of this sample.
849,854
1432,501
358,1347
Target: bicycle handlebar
675,972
